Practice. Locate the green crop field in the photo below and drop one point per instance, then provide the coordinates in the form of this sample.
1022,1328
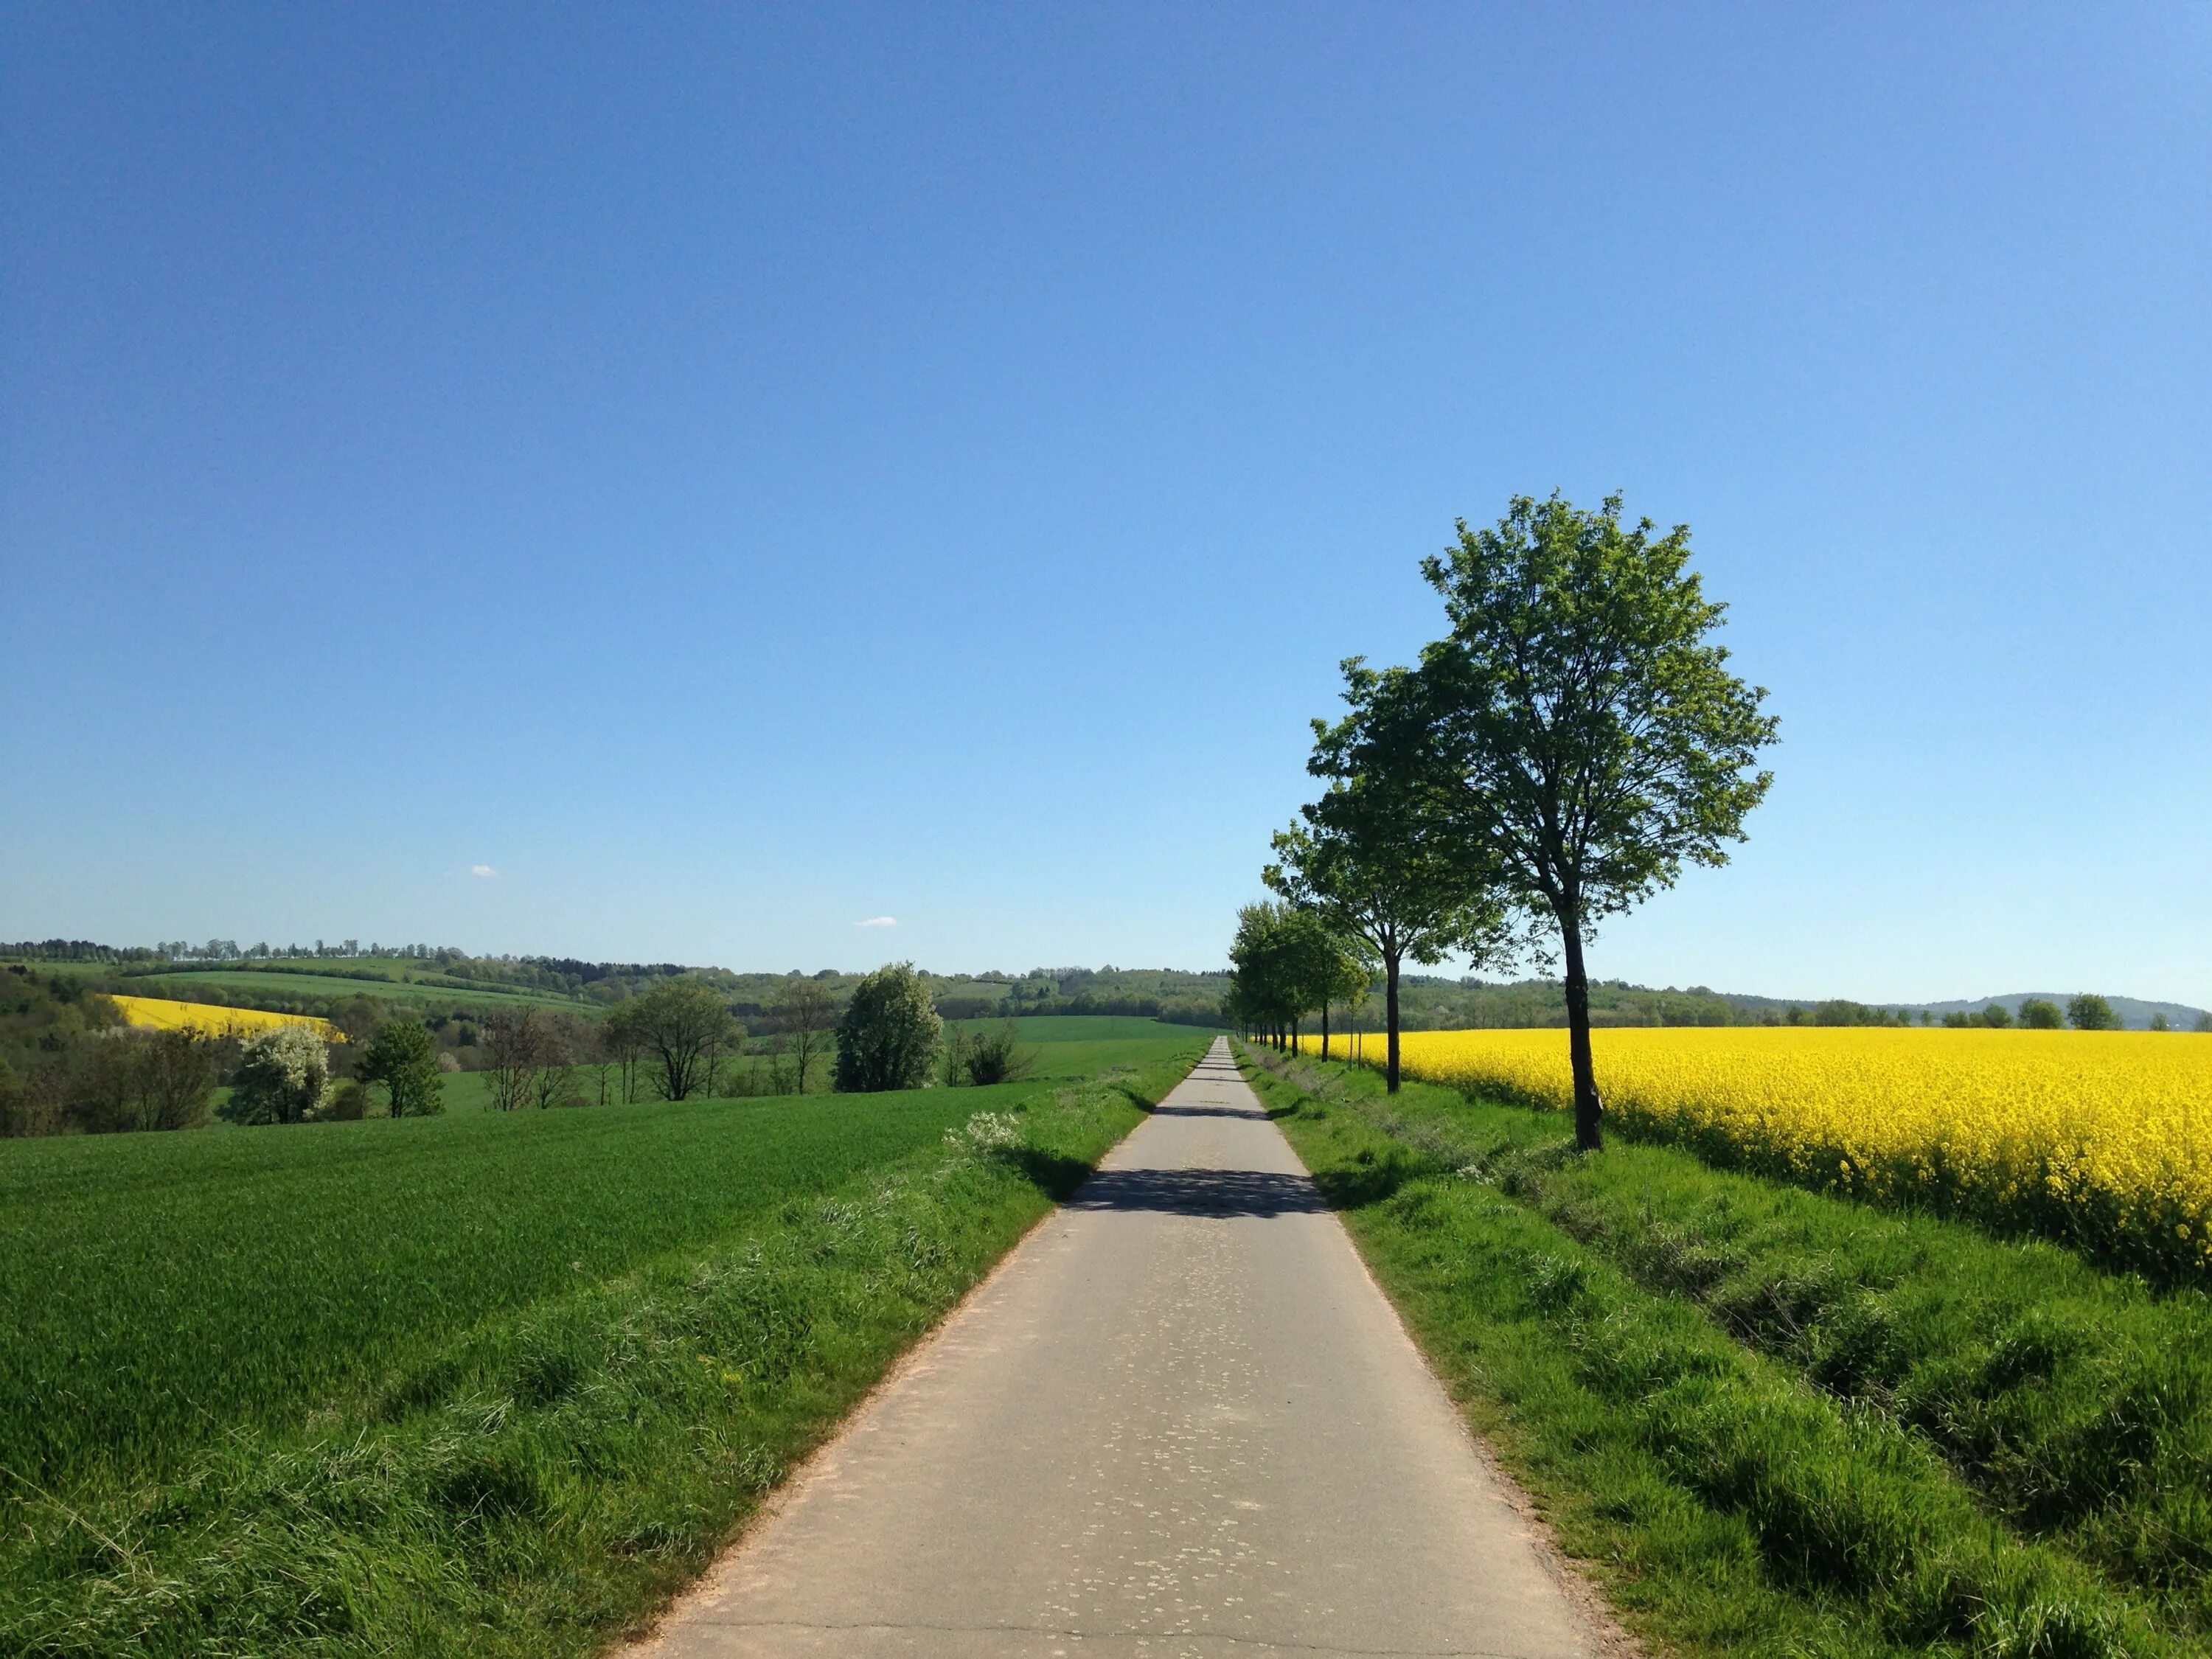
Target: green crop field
173,1287
1069,1046
245,983
482,1382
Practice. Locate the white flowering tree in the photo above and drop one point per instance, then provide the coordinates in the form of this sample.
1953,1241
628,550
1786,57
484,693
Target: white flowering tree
281,1077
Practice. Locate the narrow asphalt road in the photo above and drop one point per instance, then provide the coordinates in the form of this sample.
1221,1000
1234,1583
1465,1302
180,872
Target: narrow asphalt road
1180,1421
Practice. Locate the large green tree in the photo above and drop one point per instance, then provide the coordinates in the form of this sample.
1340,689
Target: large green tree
2090,1012
1371,860
888,1035
403,1056
1583,734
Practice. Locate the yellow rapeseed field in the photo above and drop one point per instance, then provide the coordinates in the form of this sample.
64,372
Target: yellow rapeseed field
2100,1138
214,1018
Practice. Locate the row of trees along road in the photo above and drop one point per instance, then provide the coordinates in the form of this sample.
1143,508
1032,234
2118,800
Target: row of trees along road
1573,740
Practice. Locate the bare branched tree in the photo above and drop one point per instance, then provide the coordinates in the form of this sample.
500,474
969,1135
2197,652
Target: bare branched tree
683,1026
561,1038
805,1015
513,1043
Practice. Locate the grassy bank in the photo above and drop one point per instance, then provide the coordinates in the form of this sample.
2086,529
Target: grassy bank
558,1379
1780,1422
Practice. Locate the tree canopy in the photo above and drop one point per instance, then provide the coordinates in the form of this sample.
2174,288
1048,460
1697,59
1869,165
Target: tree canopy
280,1078
2091,1012
403,1056
1571,741
679,1026
888,1033
1371,861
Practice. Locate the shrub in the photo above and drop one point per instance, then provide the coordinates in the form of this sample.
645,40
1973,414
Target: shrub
996,1058
889,1034
348,1103
279,1079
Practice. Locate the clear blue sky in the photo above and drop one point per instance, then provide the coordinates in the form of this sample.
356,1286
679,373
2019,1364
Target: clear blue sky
739,472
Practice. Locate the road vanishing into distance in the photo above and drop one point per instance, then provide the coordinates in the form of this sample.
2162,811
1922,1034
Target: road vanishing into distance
1182,1422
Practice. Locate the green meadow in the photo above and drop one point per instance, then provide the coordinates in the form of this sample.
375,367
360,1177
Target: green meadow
478,1383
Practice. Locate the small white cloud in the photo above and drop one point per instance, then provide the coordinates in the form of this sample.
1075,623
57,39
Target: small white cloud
878,921
482,870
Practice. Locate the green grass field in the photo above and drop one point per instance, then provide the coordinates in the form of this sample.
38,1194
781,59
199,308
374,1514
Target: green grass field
176,1287
1041,1029
1062,1046
348,1249
481,1383
1780,1422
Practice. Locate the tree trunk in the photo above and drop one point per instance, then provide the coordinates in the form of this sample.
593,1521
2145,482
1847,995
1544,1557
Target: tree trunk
1324,1027
1590,1133
1390,1016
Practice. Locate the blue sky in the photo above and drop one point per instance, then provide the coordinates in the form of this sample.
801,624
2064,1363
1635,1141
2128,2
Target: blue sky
736,473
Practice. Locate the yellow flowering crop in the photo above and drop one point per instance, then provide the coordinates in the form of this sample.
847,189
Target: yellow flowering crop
214,1018
2103,1138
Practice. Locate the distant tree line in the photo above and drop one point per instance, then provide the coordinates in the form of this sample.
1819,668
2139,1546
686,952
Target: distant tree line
76,950
227,950
70,1064
1205,1014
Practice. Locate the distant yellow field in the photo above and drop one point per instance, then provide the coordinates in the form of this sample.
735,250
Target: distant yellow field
2102,1137
162,1015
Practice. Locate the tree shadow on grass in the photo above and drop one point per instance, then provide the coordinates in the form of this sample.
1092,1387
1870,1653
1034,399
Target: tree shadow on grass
1357,1186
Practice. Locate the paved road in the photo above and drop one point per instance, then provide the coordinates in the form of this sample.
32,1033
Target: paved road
1180,1422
